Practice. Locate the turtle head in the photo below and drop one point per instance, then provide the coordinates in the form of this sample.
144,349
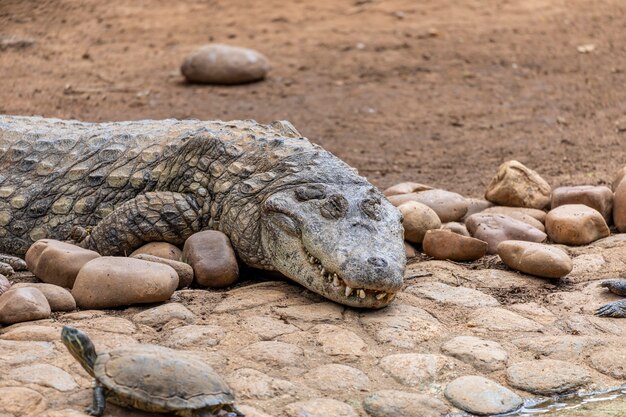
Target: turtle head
80,346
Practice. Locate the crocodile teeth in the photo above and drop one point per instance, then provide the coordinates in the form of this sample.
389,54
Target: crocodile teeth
323,270
348,291
380,296
336,281
361,293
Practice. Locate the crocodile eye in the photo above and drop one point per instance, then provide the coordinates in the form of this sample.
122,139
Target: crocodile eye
310,192
334,207
371,208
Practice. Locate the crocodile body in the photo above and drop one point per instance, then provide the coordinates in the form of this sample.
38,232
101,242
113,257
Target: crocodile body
616,308
286,204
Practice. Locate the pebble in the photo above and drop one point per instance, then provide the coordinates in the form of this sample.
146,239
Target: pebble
250,383
409,251
392,403
416,369
575,224
212,258
58,298
619,176
224,64
406,188
481,396
445,244
32,332
547,376
456,227
476,205
535,258
183,270
163,250
249,411
245,298
45,375
274,353
611,361
56,262
502,320
496,228
597,197
23,304
418,219
537,214
337,341
196,335
337,377
448,206
320,407
4,284
163,314
110,281
447,294
267,328
484,355
619,207
519,186
317,313
21,401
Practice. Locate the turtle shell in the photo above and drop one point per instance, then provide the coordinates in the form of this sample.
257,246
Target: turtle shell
155,378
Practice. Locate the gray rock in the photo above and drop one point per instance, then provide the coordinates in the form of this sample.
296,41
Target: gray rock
337,378
502,320
274,353
547,376
391,403
447,294
161,315
267,328
481,396
250,383
337,341
484,355
197,335
416,369
318,312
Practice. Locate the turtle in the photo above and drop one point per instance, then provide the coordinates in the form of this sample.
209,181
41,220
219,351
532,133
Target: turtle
151,378
616,308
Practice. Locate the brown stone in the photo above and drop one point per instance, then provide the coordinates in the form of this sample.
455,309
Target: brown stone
115,281
496,228
161,249
57,262
507,211
445,244
449,206
458,228
409,250
418,218
5,284
23,304
575,224
212,258
406,188
59,298
619,176
535,258
597,197
476,205
547,376
516,185
184,271
619,207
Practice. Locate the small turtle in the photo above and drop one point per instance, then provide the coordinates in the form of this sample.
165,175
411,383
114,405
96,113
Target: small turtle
151,378
616,308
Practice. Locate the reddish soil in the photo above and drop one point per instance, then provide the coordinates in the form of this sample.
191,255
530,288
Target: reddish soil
436,91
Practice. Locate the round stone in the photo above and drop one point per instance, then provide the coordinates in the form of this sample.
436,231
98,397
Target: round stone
250,383
406,188
409,250
418,218
416,369
496,228
448,206
59,298
547,376
336,377
224,64
455,227
23,304
481,396
597,197
212,258
476,205
161,249
619,207
502,320
445,244
161,315
535,258
391,403
183,270
484,355
575,224
537,214
196,335
320,407
519,186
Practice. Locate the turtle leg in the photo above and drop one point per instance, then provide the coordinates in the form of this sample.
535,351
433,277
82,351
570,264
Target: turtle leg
614,309
232,411
99,401
616,286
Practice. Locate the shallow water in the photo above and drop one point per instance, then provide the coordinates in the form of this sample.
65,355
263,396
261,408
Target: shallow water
610,403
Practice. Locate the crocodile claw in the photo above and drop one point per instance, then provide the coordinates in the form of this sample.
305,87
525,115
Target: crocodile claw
614,309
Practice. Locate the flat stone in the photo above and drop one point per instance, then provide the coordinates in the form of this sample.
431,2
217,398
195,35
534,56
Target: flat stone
244,299
274,353
558,347
519,186
597,197
461,296
46,375
217,63
406,188
391,403
21,401
481,396
58,298
337,378
502,320
267,328
56,262
484,355
112,281
249,411
455,227
161,315
337,341
496,228
416,369
318,313
110,324
535,258
445,244
183,270
15,353
547,376
212,258
536,214
610,361
619,207
23,304
448,206
250,383
417,219
196,335
163,250
32,332
575,224
320,407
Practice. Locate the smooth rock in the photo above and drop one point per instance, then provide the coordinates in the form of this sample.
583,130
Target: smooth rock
547,376
21,401
161,315
212,258
519,186
249,411
597,197
416,369
537,214
445,244
224,64
46,375
391,403
610,361
336,377
267,328
535,258
32,332
196,335
502,320
447,294
481,396
575,224
484,355
496,228
4,284
23,304
619,176
406,188
619,207
163,250
455,227
409,250
448,206
324,312
250,383
183,270
418,218
56,262
274,353
320,407
562,347
18,352
337,341
111,281
58,298
476,205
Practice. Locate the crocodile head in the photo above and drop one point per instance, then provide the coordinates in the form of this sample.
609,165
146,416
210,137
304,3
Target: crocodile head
344,242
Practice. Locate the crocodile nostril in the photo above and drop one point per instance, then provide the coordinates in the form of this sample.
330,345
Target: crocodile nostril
379,262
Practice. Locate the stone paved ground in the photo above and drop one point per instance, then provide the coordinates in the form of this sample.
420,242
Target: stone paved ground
287,352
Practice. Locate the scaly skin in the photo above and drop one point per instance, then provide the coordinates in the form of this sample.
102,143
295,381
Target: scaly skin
286,204
616,308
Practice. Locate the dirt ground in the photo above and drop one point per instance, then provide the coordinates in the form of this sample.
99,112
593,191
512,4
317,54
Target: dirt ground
436,91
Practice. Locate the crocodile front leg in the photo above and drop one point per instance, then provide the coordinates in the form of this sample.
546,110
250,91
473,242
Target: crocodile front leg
614,309
153,216
9,264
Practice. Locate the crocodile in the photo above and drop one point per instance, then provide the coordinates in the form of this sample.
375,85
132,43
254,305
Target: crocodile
286,204
616,308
